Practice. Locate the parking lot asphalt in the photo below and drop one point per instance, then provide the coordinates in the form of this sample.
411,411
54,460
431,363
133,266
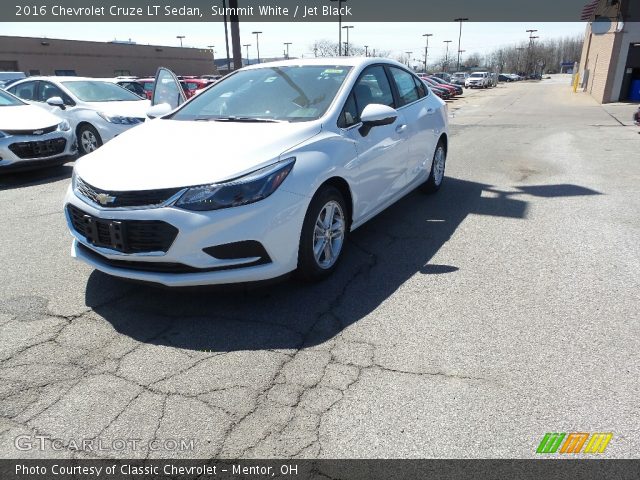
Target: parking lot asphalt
465,324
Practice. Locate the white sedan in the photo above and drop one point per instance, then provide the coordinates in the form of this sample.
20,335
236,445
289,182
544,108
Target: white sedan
31,137
97,110
263,174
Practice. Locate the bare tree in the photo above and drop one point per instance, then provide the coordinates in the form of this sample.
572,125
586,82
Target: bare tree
328,48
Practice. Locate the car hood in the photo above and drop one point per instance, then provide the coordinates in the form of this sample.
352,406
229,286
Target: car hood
135,108
170,153
26,117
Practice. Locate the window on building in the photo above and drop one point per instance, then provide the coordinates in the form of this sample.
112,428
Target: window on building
66,73
122,73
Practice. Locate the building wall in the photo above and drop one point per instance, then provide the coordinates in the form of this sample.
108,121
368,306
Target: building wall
605,55
99,59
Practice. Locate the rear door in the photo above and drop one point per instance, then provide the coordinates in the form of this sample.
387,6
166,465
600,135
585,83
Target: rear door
420,118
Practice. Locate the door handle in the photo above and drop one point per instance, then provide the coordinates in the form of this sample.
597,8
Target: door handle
401,128
431,111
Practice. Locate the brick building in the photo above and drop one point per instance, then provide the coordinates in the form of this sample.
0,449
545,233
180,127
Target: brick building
610,62
47,56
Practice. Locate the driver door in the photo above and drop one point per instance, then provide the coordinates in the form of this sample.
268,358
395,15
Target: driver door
167,89
383,150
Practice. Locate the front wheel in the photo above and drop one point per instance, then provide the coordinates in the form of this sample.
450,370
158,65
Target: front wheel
436,176
323,235
88,139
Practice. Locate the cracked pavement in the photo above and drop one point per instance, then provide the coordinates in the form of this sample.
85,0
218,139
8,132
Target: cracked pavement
462,325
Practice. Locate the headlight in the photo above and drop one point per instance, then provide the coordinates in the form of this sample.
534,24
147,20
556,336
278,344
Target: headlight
74,180
248,189
2,135
64,126
119,120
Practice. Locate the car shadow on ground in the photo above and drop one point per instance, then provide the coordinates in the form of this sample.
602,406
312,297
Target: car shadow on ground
380,257
28,178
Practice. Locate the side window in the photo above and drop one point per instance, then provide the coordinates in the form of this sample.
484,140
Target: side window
372,87
422,90
349,115
406,86
48,90
25,91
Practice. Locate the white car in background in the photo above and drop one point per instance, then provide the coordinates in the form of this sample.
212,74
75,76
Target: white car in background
31,137
264,173
478,80
97,110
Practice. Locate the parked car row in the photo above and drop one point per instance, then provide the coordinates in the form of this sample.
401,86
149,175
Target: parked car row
509,77
441,87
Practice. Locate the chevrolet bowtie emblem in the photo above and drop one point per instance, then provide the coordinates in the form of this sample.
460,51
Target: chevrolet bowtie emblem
38,132
105,199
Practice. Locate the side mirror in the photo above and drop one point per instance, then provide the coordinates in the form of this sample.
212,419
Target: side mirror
376,115
159,110
56,102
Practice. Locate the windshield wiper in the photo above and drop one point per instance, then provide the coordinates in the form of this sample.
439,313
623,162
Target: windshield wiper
238,119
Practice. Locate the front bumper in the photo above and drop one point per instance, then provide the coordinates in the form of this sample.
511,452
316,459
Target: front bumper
34,153
275,222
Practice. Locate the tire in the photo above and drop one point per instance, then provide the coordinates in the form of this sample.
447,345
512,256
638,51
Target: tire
436,175
314,267
88,139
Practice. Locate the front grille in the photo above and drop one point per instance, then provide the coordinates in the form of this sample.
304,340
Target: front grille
37,131
115,199
39,149
126,236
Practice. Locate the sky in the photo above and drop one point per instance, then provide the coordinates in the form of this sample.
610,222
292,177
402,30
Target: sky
394,37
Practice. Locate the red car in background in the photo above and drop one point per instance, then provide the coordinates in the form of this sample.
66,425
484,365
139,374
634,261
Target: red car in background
148,83
452,90
194,85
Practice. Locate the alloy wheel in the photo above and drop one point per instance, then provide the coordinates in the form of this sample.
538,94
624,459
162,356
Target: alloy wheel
328,235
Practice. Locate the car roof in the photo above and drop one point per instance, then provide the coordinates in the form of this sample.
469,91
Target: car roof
54,78
337,61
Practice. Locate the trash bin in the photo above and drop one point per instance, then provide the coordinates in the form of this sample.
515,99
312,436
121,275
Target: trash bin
634,91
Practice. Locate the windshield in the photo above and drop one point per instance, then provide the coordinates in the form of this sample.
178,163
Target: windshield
7,100
93,91
477,75
291,93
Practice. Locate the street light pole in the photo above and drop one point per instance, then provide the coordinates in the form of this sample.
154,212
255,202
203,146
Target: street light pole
446,56
460,37
531,37
257,34
180,37
426,50
347,28
287,44
460,52
226,35
340,2
247,45
408,59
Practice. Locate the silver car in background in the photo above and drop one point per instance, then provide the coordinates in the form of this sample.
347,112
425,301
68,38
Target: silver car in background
31,137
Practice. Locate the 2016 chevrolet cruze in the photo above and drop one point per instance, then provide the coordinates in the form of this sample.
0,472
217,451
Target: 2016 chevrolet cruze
262,174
